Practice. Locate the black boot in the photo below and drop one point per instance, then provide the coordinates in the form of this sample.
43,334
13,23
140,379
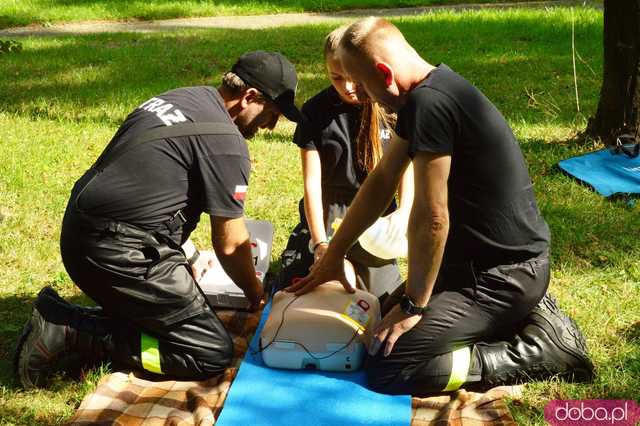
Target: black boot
549,344
57,329
54,297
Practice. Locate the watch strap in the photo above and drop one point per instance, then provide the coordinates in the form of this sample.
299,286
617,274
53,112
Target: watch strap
409,307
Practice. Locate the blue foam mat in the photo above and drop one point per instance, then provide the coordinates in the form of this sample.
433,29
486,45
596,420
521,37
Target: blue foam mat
263,396
608,173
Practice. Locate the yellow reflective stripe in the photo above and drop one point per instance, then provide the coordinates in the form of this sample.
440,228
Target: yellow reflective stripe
150,353
460,362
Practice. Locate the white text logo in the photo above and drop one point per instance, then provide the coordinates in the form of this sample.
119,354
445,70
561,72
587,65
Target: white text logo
165,111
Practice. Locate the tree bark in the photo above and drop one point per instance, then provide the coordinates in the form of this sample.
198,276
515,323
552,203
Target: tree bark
619,107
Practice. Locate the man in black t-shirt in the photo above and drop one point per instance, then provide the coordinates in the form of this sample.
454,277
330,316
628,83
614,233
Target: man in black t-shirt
125,233
474,309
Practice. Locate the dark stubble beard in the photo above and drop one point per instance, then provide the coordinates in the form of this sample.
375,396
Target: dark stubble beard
247,131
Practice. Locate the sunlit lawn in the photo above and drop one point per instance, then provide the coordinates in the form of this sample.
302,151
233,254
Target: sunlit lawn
62,98
23,12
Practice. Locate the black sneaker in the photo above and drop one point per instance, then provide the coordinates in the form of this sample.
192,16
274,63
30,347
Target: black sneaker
568,345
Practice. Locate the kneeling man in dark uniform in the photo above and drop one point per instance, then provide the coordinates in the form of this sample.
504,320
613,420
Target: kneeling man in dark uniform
125,232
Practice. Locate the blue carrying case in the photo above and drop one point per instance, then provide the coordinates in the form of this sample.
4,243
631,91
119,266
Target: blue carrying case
610,171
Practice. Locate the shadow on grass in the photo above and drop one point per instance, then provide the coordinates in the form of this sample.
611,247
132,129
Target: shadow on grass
585,227
632,333
102,77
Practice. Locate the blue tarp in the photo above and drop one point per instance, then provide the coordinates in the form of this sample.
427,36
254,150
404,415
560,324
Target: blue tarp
262,396
607,172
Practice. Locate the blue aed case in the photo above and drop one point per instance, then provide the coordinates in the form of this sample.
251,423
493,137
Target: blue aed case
608,171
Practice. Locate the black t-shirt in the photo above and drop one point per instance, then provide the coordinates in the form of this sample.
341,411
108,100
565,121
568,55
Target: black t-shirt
492,207
332,130
150,182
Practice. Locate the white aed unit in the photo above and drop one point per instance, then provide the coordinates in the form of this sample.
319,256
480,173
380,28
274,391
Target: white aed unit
218,287
327,329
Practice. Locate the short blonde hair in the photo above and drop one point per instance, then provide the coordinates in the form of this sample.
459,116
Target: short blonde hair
365,35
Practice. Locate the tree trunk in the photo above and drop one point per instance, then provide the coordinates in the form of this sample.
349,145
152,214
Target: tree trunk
619,108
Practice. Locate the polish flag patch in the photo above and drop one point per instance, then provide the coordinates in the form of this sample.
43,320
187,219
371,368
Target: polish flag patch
240,192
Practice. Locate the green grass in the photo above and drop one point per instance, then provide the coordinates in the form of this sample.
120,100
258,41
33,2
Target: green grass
23,12
65,97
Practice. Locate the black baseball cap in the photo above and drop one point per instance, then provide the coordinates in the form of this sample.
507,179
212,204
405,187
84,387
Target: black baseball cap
274,76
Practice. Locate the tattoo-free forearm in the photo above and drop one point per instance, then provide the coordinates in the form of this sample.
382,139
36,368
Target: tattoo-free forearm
428,224
427,239
238,264
233,249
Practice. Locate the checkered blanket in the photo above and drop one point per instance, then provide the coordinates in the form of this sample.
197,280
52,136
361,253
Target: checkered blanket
126,400
465,408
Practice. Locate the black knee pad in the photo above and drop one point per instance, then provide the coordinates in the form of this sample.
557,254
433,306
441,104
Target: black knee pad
379,377
415,379
215,361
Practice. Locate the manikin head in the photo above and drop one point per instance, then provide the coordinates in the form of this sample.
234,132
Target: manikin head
375,54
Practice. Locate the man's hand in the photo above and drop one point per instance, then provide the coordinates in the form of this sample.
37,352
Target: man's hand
205,261
392,326
256,295
324,270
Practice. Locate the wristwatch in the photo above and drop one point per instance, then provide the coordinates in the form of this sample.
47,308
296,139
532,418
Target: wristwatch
410,308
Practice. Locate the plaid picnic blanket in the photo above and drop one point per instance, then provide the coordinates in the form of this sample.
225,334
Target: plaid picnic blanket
126,400
465,408
123,399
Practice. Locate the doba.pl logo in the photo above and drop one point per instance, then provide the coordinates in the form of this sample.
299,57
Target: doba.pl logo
592,412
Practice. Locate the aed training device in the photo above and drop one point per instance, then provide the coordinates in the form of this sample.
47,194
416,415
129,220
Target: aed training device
326,329
216,285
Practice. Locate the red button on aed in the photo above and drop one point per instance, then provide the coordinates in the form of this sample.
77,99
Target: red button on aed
364,305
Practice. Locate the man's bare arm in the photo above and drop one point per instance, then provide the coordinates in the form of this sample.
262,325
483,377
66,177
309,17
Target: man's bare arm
233,249
428,224
428,230
372,200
